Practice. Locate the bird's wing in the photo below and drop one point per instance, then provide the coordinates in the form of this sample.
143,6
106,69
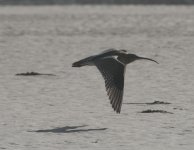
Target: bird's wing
111,52
108,50
113,73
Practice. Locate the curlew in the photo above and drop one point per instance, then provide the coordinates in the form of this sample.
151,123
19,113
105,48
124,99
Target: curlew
111,64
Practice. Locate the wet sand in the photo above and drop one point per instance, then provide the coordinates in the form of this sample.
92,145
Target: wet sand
71,110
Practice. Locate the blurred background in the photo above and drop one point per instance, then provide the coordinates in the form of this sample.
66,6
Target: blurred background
50,2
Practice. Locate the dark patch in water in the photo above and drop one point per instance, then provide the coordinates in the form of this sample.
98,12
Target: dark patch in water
69,129
156,111
96,141
187,130
178,108
158,102
33,74
169,127
151,103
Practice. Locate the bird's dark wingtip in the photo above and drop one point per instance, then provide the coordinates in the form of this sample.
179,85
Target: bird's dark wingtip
118,112
115,109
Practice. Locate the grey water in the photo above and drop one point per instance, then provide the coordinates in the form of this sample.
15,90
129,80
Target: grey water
48,39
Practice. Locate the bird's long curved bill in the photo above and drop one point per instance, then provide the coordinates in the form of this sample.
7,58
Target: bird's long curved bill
148,59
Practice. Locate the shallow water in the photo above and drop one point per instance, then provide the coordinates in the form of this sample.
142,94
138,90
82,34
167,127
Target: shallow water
71,110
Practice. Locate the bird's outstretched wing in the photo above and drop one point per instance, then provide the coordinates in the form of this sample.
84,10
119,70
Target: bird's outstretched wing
111,52
108,50
113,73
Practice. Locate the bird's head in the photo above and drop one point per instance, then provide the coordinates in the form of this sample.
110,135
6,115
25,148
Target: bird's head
128,58
133,57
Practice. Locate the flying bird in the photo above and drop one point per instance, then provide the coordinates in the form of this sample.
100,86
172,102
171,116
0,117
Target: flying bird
112,63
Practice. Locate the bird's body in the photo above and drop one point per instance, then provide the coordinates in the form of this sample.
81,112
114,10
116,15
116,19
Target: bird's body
90,61
112,70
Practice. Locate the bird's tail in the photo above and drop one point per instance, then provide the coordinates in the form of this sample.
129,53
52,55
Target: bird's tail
84,62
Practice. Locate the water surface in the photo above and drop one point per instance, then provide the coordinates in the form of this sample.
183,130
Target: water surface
48,39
